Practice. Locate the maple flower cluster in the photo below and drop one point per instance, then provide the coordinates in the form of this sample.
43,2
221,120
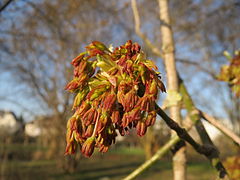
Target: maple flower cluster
115,90
231,74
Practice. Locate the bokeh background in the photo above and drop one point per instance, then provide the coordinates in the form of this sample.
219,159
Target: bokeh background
38,39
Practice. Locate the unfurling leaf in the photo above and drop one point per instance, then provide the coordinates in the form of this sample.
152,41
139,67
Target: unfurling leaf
172,99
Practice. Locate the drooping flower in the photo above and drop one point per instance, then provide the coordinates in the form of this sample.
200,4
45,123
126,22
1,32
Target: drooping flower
88,146
114,91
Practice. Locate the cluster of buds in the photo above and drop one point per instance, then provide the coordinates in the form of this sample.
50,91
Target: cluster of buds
231,73
115,90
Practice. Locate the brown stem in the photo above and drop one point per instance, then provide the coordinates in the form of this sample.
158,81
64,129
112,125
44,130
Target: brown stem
154,48
209,151
5,5
221,127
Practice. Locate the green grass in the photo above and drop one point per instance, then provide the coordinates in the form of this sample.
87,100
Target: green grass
127,151
113,165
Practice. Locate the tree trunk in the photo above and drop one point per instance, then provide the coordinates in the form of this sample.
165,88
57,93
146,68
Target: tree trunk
179,157
147,142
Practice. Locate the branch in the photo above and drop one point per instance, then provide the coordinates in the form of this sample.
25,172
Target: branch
197,65
33,82
207,150
183,134
191,109
195,117
5,5
153,47
221,127
161,152
14,102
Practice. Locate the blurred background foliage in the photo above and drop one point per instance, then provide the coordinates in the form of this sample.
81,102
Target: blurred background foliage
39,38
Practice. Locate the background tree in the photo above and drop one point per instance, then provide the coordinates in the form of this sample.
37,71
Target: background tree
168,52
51,33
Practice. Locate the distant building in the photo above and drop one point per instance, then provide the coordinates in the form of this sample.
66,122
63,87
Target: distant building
9,123
40,126
32,129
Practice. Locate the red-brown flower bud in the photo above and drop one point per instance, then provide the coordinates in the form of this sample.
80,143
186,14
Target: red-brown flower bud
78,137
85,106
141,128
113,71
89,130
130,99
135,114
115,116
79,97
94,48
78,71
146,103
153,88
71,148
83,78
72,85
103,148
75,62
120,97
89,116
97,91
108,102
125,120
102,122
136,48
100,46
151,118
70,122
88,147
142,70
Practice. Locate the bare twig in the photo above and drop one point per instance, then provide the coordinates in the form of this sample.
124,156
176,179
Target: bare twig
221,127
161,152
164,149
207,150
191,63
4,98
195,116
153,47
5,5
